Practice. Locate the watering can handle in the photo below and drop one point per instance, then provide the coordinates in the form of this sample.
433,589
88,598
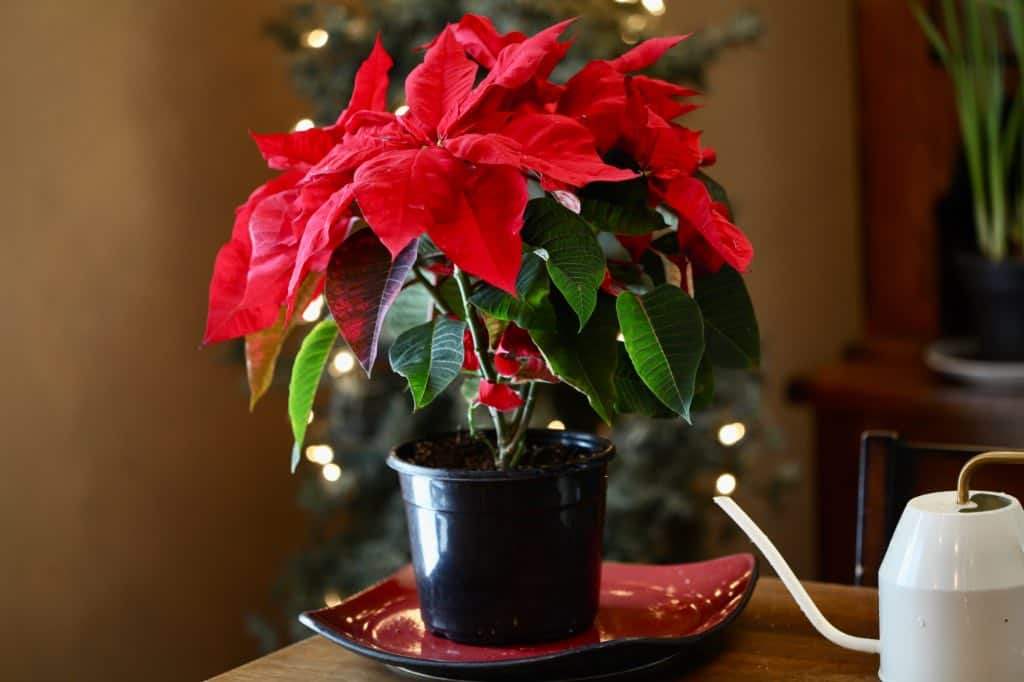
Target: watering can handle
963,483
789,579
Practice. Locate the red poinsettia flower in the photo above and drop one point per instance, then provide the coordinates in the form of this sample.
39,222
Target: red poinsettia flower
286,228
499,396
453,166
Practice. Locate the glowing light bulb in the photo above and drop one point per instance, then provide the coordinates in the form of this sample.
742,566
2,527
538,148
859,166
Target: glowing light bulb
303,124
655,7
726,484
313,310
733,433
635,23
402,110
620,338
342,363
332,598
556,424
320,454
332,472
316,38
309,419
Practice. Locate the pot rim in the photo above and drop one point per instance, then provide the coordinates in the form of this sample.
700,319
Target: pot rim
603,449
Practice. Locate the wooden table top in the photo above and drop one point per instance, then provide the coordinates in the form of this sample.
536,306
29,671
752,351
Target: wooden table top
771,640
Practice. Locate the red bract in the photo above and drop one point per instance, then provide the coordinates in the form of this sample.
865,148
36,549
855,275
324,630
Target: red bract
453,165
499,396
289,226
518,357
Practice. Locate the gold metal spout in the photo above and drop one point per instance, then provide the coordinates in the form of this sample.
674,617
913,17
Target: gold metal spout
963,483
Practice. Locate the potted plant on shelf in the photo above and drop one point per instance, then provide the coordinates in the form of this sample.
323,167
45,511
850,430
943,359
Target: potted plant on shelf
563,233
972,50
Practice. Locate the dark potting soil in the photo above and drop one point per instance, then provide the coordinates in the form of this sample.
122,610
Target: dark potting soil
463,451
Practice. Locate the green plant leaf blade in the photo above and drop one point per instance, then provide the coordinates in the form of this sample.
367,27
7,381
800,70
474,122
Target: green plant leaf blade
532,309
575,261
631,394
664,337
585,359
730,326
306,372
620,208
262,348
429,357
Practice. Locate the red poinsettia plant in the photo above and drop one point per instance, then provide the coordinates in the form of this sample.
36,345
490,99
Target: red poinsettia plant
564,232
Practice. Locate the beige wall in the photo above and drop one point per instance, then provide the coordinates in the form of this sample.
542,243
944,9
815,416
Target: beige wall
782,116
143,512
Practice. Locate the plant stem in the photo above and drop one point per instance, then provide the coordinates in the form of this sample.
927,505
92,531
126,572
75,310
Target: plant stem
480,344
434,293
519,437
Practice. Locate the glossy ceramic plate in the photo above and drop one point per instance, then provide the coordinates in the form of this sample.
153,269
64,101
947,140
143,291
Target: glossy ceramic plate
647,614
957,359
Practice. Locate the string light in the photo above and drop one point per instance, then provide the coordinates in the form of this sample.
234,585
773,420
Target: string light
556,425
316,38
627,2
655,7
332,472
342,363
402,110
620,338
303,124
320,454
635,23
726,484
332,598
313,310
309,419
730,434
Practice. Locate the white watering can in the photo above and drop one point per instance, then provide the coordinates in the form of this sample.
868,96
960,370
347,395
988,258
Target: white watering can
950,587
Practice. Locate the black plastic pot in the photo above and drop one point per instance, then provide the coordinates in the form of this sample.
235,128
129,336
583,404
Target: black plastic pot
995,290
505,557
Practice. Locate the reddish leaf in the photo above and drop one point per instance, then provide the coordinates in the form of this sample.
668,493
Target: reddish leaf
499,396
470,362
362,283
477,36
517,356
561,149
370,90
403,193
645,54
229,315
435,89
263,347
705,232
482,237
326,228
299,150
490,149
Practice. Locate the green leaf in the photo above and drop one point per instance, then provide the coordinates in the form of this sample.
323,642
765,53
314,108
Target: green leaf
532,309
411,308
429,357
730,326
575,261
586,359
704,390
306,372
263,347
664,338
631,394
621,208
449,292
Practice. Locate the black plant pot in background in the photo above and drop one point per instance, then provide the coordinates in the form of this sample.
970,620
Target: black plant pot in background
995,290
504,557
